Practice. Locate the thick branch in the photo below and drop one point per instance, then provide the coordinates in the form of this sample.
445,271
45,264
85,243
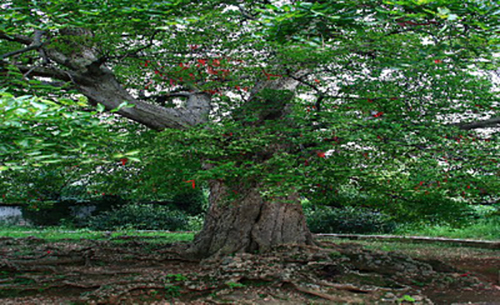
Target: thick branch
493,122
48,72
16,38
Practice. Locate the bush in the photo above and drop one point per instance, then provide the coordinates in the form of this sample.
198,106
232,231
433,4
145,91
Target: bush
49,215
141,217
107,203
347,220
192,202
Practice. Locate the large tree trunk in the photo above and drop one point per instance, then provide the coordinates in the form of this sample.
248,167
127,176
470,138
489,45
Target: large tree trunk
249,223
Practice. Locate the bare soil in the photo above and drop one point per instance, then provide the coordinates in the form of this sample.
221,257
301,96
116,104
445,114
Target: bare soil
138,271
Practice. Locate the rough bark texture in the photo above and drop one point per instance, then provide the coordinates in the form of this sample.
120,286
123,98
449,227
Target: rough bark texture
249,223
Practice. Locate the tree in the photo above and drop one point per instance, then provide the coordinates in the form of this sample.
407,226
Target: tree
270,101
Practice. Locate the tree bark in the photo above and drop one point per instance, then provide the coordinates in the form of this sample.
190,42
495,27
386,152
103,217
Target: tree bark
249,223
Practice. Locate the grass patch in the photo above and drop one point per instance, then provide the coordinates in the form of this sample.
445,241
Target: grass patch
421,250
482,229
58,233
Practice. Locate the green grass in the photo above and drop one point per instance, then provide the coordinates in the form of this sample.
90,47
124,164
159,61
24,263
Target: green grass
58,233
483,229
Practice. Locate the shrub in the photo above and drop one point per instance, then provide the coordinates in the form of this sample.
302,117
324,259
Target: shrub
50,214
107,203
347,220
140,216
193,202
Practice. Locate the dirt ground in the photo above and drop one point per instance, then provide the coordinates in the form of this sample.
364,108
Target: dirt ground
138,271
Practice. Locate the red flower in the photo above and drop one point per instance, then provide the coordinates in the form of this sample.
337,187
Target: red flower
192,183
369,100
321,154
465,274
103,194
378,114
421,183
216,62
202,61
237,87
316,80
437,61
306,163
123,161
48,251
211,71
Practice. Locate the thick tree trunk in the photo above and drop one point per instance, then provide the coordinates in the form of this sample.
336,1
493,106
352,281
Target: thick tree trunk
249,223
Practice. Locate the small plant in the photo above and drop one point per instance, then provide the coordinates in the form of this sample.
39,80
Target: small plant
233,285
175,278
172,290
407,298
335,255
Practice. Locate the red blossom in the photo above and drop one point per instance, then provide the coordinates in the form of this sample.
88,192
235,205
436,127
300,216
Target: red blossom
211,71
123,161
202,61
321,154
378,114
192,182
369,100
437,61
316,80
216,62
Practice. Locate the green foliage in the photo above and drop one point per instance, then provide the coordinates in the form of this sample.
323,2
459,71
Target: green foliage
48,213
233,285
487,228
141,217
347,220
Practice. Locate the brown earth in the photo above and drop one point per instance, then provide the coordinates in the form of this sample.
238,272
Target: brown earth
135,271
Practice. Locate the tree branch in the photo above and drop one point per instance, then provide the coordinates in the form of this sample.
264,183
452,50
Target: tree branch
493,122
48,72
35,44
16,38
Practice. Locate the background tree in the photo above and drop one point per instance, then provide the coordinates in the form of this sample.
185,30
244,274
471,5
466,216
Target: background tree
268,101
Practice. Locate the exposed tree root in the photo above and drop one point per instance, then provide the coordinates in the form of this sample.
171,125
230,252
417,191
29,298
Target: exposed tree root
119,273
